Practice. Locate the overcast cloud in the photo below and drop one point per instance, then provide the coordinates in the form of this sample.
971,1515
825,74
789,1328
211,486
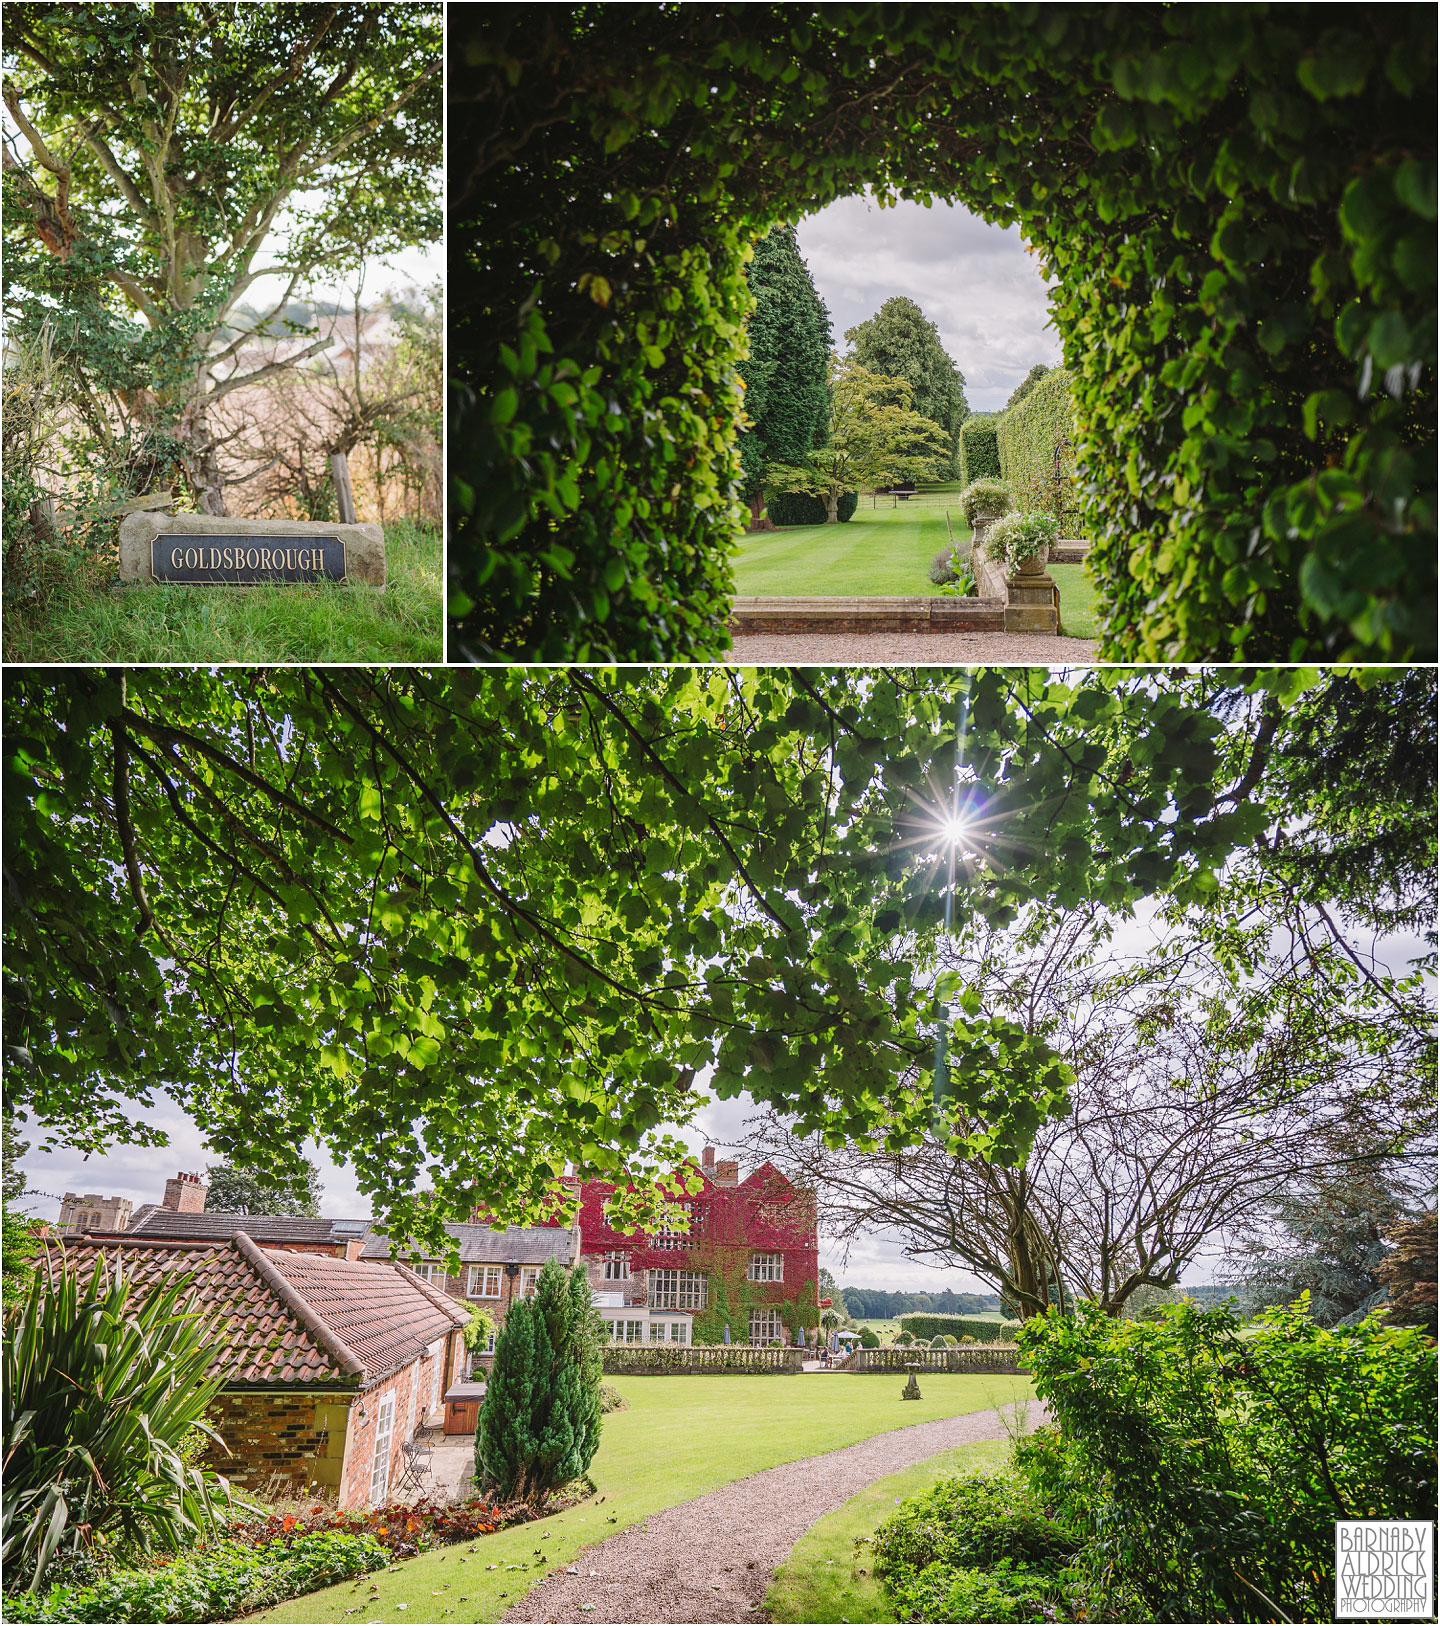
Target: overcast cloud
975,282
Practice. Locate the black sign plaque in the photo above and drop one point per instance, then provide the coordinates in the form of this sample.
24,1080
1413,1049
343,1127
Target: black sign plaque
245,560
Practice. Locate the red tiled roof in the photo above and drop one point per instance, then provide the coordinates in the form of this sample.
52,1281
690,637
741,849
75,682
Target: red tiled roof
292,1320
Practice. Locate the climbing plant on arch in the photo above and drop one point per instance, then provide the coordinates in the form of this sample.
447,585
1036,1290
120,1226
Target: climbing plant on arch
1237,204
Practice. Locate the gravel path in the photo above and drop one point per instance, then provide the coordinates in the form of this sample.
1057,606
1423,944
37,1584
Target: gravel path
713,1559
909,649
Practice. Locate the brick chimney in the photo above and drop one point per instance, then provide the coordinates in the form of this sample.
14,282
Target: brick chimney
185,1194
727,1174
707,1161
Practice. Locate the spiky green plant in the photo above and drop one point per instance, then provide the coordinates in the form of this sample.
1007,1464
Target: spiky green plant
101,1386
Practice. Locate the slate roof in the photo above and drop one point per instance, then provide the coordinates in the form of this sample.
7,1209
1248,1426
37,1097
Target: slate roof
479,1245
292,1320
152,1220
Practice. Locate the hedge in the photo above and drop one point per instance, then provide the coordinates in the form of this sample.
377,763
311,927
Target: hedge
979,448
1235,205
1036,439
800,508
927,1325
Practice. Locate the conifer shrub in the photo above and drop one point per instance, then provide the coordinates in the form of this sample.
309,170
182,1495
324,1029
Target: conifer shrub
540,1422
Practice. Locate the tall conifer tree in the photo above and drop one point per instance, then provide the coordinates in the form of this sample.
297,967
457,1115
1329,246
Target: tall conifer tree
900,341
540,1424
786,389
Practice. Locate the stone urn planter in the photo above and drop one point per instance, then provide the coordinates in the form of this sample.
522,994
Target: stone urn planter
1034,565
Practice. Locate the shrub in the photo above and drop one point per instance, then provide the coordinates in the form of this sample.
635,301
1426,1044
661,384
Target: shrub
953,570
869,1339
926,1324
991,497
1016,537
930,1553
611,1399
540,1422
102,1388
217,1582
903,1340
979,448
802,508
1210,1467
940,1592
1037,456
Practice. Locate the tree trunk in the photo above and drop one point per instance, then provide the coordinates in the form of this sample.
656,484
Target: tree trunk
832,506
759,519
202,466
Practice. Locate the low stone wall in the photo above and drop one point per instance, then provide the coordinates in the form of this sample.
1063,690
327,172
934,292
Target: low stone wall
968,1358
672,1360
835,615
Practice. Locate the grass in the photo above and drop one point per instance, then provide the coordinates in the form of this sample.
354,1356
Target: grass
825,1579
1077,600
884,552
680,1438
79,612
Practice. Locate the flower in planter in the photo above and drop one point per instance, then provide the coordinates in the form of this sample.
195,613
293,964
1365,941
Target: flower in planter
1017,537
985,497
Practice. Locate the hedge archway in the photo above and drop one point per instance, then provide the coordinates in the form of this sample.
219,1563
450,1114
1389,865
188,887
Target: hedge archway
1238,203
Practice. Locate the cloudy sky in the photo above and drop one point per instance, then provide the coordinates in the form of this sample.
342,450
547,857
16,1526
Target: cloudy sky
975,282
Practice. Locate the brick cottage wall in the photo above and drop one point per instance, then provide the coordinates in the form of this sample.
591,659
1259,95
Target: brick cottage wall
413,1390
299,1438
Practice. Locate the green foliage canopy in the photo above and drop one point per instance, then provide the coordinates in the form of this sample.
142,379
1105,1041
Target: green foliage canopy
787,373
1236,205
900,341
466,928
174,155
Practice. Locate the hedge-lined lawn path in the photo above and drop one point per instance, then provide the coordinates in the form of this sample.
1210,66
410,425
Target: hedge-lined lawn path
910,649
713,1559
680,1439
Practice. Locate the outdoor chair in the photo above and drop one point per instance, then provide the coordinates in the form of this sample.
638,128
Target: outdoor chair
418,1458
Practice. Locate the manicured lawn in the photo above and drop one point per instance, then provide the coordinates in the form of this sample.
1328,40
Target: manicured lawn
826,1579
79,614
1077,600
680,1438
884,551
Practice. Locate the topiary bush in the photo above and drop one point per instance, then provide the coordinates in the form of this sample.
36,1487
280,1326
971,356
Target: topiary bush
990,497
979,456
1037,448
1236,208
801,508
869,1338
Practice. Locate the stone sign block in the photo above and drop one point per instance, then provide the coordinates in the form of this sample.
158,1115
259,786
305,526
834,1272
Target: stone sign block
196,549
